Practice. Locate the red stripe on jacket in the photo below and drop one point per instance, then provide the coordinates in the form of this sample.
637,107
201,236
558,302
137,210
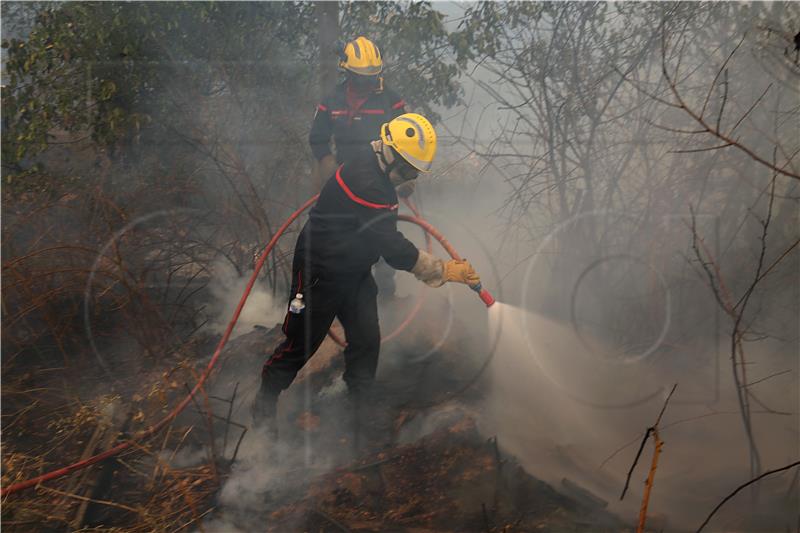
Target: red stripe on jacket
338,112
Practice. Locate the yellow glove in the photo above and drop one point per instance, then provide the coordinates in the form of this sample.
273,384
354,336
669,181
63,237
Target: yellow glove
460,272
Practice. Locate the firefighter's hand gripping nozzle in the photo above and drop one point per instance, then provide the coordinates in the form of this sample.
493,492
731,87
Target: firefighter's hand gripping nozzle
461,271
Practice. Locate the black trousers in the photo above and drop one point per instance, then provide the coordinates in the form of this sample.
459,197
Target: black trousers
351,298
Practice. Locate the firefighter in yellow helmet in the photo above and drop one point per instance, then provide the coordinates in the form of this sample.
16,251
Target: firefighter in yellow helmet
351,116
352,225
362,58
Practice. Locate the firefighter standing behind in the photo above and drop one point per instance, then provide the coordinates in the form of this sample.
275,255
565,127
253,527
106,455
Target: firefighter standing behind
352,225
352,116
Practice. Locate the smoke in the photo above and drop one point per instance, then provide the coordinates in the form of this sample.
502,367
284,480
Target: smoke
185,457
606,305
267,474
592,337
427,422
564,414
248,490
225,291
253,475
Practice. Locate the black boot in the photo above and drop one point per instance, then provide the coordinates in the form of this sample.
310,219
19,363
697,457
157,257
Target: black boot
358,401
265,409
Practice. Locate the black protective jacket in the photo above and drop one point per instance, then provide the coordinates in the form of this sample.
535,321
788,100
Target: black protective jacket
351,128
354,223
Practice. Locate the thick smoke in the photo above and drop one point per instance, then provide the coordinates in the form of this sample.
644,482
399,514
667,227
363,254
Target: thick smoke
604,304
226,288
607,308
546,407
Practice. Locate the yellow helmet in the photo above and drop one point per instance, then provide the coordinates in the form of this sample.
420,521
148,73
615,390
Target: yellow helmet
361,56
413,137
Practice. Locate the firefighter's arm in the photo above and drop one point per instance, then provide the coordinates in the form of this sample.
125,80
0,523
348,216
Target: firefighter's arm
398,106
401,254
380,227
321,131
320,141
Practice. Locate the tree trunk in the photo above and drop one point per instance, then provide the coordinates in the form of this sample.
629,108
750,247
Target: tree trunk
328,33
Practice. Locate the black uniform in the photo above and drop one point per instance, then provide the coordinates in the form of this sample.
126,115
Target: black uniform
351,128
352,225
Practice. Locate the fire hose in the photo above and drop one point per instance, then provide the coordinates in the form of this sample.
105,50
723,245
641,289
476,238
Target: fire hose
152,430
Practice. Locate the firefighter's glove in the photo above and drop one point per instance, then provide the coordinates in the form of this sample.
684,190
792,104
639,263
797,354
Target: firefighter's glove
460,271
435,272
429,269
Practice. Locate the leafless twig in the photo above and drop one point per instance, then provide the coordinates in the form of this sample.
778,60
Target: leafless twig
699,118
647,434
742,486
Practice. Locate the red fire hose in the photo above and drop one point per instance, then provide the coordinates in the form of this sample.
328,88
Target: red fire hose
22,485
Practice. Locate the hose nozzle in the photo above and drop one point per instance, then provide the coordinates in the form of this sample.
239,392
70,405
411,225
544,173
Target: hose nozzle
483,294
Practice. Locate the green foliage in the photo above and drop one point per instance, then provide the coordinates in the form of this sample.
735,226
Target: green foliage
107,69
126,76
72,74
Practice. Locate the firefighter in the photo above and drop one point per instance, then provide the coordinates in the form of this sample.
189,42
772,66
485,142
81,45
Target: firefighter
352,115
353,223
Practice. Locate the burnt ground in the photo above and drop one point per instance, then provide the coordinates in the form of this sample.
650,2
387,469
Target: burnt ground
420,464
